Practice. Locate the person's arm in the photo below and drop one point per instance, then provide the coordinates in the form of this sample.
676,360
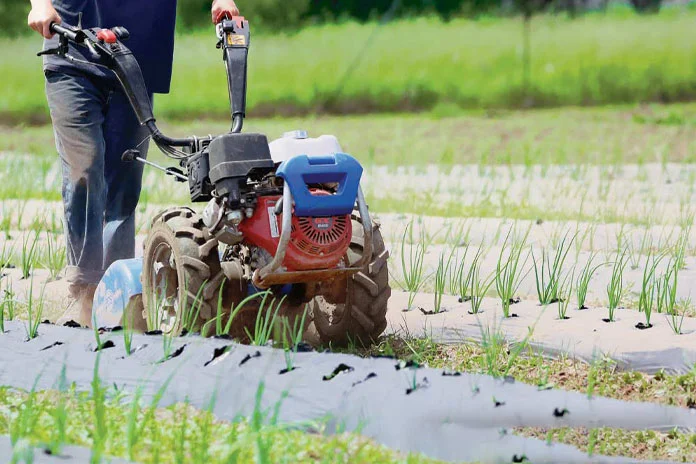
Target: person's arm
41,16
221,8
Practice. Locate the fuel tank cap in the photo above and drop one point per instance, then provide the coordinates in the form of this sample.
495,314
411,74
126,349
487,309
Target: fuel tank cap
296,134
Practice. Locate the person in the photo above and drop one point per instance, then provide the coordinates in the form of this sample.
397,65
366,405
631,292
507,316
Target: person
94,124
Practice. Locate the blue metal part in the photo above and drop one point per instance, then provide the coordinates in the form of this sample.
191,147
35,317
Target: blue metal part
116,290
338,168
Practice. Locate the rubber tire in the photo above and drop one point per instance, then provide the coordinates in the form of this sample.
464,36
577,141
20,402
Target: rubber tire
196,255
367,295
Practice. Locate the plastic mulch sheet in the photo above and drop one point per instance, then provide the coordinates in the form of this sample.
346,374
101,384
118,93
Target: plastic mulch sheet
449,416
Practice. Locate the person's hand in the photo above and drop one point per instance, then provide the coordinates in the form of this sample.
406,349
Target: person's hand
41,16
222,8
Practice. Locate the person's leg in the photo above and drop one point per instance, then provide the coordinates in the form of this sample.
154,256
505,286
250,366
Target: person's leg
77,106
123,180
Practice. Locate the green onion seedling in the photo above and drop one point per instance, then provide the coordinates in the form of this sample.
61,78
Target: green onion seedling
615,285
29,253
440,281
265,321
478,286
509,270
292,337
412,264
55,256
34,313
565,291
584,278
547,272
648,290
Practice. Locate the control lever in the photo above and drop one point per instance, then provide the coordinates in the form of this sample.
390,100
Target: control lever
134,155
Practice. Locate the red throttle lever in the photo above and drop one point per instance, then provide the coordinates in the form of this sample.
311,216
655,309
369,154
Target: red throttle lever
238,20
107,36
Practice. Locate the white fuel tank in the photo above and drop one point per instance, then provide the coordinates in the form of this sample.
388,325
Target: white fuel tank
297,143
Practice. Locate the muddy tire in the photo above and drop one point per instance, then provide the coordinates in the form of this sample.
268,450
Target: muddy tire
181,273
362,318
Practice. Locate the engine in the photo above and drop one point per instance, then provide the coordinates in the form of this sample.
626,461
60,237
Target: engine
315,242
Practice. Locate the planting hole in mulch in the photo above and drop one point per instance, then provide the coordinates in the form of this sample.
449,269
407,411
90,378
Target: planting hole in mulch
173,354
464,299
523,458
405,365
338,370
451,373
369,376
643,326
103,346
560,412
51,346
287,369
217,352
498,403
432,312
515,300
154,332
607,320
72,324
249,356
419,386
582,308
564,318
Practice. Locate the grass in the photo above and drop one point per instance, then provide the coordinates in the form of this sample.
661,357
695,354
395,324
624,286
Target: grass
595,59
148,433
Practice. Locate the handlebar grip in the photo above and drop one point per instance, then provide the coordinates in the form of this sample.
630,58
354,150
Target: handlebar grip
61,30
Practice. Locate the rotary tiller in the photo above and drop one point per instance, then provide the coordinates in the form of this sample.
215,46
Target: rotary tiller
286,219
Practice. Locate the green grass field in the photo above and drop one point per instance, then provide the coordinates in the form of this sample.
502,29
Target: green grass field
421,63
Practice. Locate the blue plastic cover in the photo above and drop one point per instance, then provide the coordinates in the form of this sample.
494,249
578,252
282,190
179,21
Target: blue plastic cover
121,282
338,168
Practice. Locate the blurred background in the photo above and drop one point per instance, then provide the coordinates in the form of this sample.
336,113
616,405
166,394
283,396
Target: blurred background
395,56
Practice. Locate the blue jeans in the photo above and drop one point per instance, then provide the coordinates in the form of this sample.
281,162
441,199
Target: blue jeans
93,125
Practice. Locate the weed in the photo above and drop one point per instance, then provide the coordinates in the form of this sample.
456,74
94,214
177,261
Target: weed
496,349
412,265
548,272
60,416
583,282
100,433
615,285
508,271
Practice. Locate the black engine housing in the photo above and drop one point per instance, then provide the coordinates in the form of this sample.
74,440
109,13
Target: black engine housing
226,165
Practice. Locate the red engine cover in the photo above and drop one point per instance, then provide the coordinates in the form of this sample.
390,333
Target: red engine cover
315,242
